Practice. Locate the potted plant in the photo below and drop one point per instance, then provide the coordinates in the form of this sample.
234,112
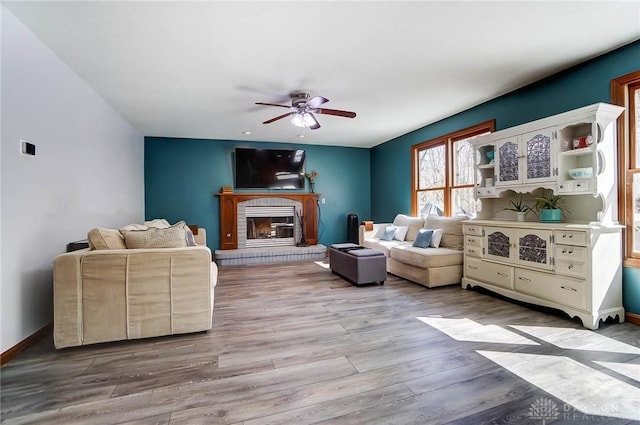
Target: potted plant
519,207
550,208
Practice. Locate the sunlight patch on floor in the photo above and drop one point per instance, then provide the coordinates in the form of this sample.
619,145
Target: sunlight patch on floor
627,369
579,386
577,339
469,330
323,264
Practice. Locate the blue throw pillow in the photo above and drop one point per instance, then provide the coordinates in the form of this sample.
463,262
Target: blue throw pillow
423,238
388,234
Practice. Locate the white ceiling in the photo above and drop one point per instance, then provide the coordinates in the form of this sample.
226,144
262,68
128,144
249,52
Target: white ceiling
195,69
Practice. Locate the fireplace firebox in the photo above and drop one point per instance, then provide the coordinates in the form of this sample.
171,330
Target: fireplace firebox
270,226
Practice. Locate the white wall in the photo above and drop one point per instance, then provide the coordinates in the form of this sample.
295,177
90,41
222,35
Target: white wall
88,171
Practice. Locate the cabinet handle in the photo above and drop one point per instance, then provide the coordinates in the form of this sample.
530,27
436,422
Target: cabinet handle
570,267
473,267
570,251
502,274
471,251
525,279
568,288
228,235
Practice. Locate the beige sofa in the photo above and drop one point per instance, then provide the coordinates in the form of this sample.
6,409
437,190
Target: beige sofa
110,292
430,267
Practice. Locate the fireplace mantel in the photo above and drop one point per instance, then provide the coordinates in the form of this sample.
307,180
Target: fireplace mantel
229,207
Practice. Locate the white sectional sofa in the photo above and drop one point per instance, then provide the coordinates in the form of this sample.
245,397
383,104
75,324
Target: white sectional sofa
430,267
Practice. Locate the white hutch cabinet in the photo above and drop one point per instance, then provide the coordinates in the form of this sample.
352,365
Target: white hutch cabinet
574,266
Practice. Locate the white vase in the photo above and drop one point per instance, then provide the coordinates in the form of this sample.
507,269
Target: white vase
520,215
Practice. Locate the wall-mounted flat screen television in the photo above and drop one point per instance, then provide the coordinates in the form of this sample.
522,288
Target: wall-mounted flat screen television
269,168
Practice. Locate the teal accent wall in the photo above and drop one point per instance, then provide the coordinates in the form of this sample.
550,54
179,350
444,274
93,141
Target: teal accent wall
182,175
631,290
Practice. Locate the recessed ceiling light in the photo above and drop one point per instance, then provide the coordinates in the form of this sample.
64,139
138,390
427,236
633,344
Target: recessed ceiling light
246,133
300,136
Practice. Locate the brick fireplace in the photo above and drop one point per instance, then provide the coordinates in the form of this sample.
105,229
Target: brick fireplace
258,228
236,225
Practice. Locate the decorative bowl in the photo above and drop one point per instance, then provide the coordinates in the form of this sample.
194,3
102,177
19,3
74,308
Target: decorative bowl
581,173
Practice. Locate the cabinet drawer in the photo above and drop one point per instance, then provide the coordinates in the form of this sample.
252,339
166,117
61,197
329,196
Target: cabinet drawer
570,237
574,186
571,253
484,192
473,241
571,268
472,230
560,290
495,274
473,251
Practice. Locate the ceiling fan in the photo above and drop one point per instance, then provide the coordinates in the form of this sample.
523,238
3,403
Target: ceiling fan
302,110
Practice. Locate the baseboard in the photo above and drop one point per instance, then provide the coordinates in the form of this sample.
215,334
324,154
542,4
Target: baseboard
632,318
24,344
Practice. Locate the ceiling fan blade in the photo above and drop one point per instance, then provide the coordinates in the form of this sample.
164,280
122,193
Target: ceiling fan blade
314,102
272,104
337,112
279,117
316,124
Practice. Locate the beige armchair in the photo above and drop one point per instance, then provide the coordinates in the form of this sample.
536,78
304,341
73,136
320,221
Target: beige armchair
115,293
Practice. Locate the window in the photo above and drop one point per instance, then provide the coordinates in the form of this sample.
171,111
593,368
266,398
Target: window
625,91
443,172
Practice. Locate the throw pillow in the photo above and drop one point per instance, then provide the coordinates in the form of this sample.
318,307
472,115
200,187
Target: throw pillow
451,230
413,223
436,238
401,232
423,238
159,223
388,234
189,238
153,237
134,226
100,238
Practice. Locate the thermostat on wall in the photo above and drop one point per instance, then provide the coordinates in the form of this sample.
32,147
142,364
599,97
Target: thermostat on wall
27,148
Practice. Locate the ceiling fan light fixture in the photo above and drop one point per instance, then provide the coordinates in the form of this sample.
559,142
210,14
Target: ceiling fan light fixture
303,109
303,120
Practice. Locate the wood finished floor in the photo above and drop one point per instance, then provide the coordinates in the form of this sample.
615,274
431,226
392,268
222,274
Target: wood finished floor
296,344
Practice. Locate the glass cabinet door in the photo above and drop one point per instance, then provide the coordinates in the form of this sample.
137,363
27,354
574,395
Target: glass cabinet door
534,247
531,247
498,243
539,155
507,159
